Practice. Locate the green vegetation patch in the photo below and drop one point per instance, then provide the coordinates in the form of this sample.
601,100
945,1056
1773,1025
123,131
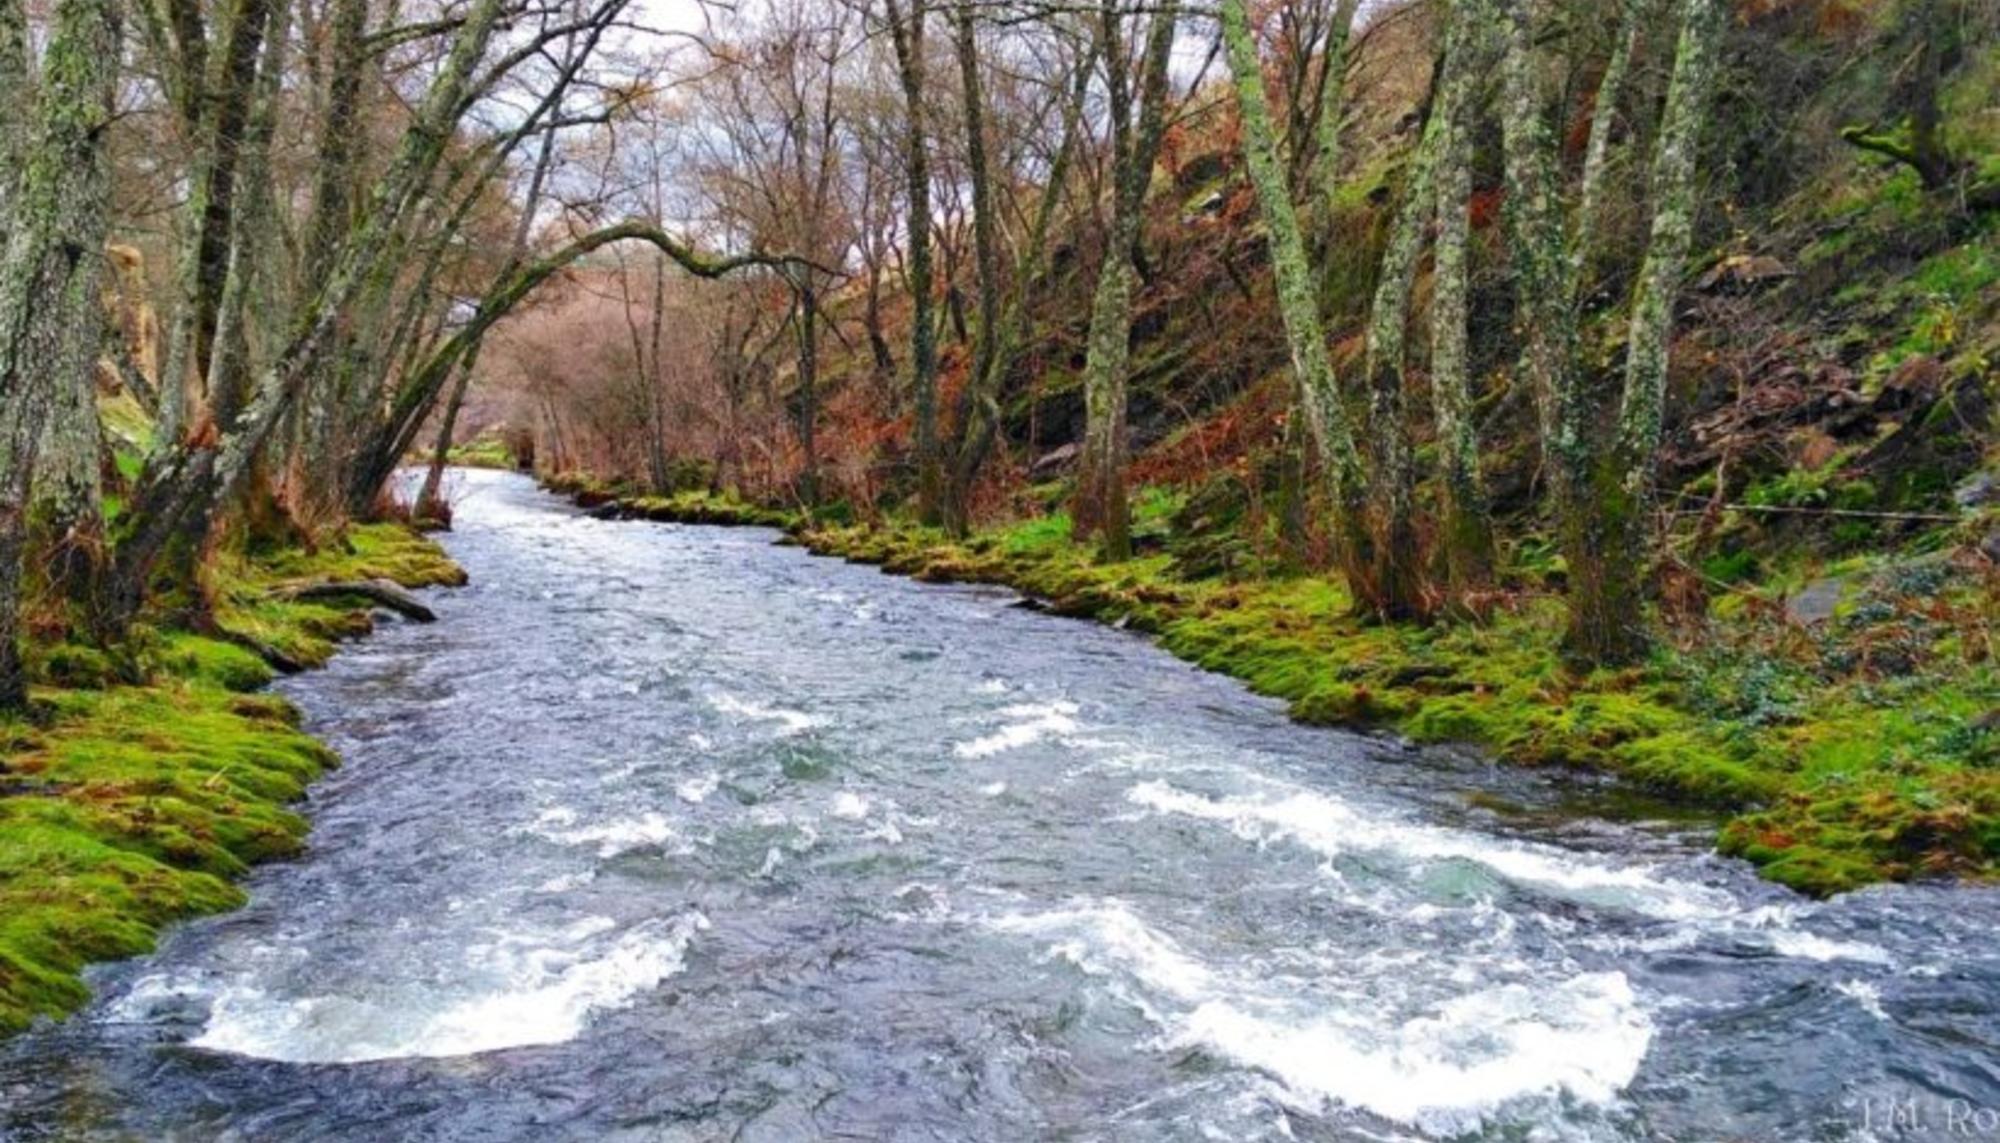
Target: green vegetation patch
125,808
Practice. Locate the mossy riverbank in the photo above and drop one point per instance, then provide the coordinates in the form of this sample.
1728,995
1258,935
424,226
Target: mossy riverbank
126,807
1860,747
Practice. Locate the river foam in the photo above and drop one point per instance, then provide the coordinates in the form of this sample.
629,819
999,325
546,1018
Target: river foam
1334,828
1688,912
1026,723
540,990
1442,1067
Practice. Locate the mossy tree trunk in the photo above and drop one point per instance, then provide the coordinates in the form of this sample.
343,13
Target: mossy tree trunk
1332,112
1597,152
1398,575
1466,529
1101,508
1609,625
977,410
68,526
218,106
1601,480
906,36
16,94
1539,256
50,270
1320,401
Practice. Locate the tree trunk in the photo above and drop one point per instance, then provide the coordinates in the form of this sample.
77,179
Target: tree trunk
50,271
1398,575
1607,621
1320,400
907,37
16,92
223,102
1596,157
1467,529
1101,506
1332,109
1543,287
189,477
427,503
976,408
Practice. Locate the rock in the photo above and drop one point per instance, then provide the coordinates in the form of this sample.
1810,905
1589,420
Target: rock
1815,603
1990,546
1977,491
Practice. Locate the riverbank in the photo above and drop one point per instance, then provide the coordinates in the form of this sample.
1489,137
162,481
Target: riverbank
126,807
1833,750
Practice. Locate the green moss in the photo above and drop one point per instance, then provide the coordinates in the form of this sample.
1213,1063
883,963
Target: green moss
226,665
702,508
487,450
126,808
364,551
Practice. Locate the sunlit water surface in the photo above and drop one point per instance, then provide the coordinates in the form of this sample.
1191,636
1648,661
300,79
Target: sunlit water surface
668,833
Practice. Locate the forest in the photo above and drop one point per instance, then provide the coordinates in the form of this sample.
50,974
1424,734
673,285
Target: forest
1603,388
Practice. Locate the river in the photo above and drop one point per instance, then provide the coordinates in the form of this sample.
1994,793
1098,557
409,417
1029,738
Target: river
670,833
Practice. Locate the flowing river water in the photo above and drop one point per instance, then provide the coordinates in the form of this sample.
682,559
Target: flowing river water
669,833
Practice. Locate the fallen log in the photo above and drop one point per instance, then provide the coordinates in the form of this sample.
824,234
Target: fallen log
381,592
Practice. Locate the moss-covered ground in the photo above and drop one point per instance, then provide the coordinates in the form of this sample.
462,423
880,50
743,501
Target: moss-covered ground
126,807
1858,748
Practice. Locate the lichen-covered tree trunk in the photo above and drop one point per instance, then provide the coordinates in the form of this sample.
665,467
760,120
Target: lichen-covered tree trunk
1607,622
1320,401
15,93
1597,153
1544,297
1466,530
49,271
1101,506
1100,509
1332,110
68,502
906,32
976,409
1539,254
1600,480
215,138
1398,574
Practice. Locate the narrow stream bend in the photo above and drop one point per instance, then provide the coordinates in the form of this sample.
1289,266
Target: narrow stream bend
668,833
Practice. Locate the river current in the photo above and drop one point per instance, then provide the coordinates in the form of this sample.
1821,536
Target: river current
671,833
